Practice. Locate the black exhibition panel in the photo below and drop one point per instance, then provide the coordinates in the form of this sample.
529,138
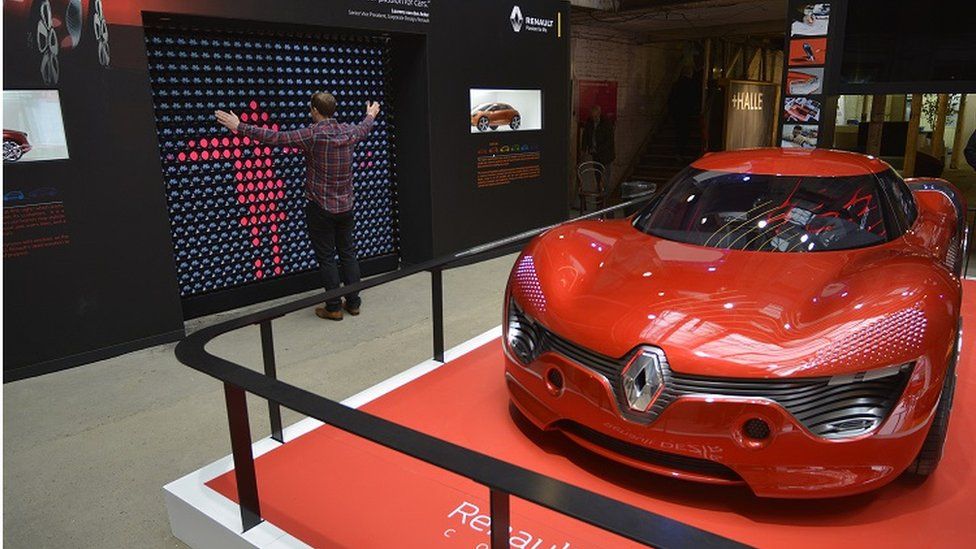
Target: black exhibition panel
151,235
96,277
483,51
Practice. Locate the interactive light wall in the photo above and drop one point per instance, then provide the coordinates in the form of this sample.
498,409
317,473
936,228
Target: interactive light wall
236,206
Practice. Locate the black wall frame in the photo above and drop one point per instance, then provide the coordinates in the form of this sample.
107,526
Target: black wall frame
236,206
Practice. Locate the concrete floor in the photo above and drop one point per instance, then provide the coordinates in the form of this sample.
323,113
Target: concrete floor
87,451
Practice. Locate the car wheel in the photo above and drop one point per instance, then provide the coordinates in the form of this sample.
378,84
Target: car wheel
46,41
516,122
100,26
483,124
931,452
11,151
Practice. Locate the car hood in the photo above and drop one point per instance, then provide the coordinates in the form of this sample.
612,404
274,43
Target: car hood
717,312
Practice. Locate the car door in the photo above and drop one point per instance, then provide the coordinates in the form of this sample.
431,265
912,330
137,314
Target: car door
505,113
494,113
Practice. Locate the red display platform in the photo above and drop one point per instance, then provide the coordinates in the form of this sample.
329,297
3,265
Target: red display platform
331,489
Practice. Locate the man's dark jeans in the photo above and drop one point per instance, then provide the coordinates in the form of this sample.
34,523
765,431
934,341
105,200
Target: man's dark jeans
331,233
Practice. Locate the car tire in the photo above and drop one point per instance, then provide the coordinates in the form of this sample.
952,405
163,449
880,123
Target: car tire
516,122
45,42
483,124
930,454
12,151
100,27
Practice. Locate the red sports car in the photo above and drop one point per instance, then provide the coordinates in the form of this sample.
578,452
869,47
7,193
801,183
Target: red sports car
15,145
54,26
787,319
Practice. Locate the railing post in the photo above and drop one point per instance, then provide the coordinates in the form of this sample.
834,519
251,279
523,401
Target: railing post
240,443
500,519
267,349
437,312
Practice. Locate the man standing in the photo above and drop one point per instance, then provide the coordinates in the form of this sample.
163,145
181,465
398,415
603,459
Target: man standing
970,150
599,143
684,107
328,147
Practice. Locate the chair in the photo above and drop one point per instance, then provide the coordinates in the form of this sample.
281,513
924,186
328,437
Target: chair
591,184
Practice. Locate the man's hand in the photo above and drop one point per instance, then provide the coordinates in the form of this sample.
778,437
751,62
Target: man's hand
372,109
230,120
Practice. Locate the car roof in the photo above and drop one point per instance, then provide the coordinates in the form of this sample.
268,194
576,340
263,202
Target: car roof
790,161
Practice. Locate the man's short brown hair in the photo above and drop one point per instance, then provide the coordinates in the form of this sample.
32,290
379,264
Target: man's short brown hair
325,103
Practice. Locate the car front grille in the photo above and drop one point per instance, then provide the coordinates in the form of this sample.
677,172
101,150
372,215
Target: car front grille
825,408
831,407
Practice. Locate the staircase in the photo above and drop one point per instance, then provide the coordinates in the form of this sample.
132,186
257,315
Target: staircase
659,161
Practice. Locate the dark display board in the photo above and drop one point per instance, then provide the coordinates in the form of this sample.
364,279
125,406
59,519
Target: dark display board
236,206
102,275
504,46
905,47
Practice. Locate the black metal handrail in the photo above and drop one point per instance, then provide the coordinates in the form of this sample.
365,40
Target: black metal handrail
502,479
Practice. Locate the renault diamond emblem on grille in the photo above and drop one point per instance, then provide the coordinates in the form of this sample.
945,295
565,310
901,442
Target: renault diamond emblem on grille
643,380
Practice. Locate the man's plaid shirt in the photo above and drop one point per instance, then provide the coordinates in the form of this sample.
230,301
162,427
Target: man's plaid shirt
328,147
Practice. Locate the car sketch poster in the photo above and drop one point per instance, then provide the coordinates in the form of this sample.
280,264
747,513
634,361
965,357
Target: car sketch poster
505,110
32,126
803,74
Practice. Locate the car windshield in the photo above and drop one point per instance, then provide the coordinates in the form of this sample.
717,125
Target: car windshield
771,213
480,107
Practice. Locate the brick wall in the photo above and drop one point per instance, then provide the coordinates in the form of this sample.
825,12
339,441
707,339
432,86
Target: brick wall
643,73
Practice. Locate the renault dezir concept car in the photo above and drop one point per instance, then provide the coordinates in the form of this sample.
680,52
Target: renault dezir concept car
15,145
491,115
783,318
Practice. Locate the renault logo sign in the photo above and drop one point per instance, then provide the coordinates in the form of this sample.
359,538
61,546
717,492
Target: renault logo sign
643,380
529,23
516,19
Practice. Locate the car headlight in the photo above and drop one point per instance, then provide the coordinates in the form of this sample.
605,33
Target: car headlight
523,335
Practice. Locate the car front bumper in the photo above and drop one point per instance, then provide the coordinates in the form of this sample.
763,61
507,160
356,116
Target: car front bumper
700,437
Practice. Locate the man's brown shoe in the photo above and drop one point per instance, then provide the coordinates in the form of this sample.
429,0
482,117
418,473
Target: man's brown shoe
352,311
322,312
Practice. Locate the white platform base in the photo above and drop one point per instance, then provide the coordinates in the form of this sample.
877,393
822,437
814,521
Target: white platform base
203,518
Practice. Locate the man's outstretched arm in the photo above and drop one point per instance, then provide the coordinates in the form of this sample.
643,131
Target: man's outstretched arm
360,130
301,137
